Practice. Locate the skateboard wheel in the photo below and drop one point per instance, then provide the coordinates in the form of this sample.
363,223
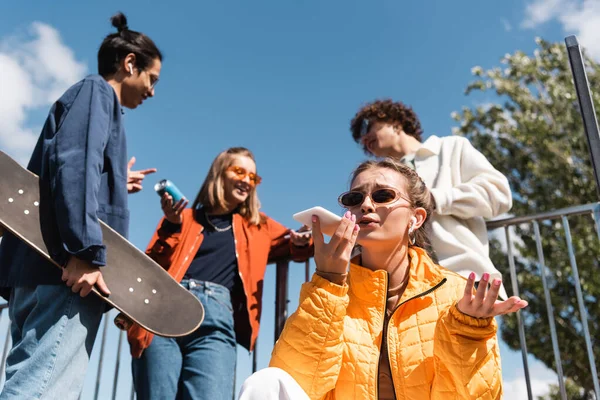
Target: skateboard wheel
122,322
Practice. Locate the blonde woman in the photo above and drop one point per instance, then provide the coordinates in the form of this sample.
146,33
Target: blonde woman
218,249
396,325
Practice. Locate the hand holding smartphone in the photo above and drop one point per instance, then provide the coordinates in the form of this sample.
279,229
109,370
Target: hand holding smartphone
329,220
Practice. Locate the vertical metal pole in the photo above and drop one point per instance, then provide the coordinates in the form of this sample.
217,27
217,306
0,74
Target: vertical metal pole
117,364
513,277
99,373
5,352
582,310
234,382
586,106
596,216
307,270
281,296
550,310
254,357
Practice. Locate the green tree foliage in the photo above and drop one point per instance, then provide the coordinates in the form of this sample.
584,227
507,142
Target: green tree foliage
532,131
574,392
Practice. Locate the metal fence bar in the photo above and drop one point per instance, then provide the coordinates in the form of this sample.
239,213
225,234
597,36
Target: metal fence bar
307,270
586,106
5,351
281,296
550,310
5,341
555,214
101,358
513,277
117,365
254,357
596,216
582,310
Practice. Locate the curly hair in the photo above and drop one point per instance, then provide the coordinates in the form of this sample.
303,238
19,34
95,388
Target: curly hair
387,111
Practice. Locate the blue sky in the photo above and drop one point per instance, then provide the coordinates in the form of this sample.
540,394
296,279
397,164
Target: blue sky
281,78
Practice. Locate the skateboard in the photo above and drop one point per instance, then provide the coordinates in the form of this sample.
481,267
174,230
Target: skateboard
141,289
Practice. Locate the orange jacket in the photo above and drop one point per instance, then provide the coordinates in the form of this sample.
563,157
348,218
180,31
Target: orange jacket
331,344
254,244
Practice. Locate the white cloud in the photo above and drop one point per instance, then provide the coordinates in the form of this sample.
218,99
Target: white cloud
542,11
507,26
37,67
541,378
578,17
517,389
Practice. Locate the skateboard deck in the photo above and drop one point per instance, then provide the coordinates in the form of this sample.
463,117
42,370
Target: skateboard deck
140,288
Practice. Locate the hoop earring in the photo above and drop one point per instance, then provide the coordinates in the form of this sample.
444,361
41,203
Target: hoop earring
411,235
412,239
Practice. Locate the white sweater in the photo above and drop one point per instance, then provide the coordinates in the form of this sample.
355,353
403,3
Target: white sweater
466,189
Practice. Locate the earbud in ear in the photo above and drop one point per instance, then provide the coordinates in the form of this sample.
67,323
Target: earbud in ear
130,68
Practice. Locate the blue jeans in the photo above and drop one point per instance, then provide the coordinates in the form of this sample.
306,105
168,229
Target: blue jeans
197,366
53,332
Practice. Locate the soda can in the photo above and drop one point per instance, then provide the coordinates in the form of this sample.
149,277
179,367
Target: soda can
166,186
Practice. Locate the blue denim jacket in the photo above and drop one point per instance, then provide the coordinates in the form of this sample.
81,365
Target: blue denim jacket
81,159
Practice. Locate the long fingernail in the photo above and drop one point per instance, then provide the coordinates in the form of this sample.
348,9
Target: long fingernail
485,277
472,275
314,218
497,282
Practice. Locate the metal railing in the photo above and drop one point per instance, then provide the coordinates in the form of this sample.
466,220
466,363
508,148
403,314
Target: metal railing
563,215
109,374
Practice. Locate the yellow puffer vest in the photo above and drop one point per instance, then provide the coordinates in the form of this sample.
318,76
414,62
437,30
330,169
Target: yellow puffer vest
331,344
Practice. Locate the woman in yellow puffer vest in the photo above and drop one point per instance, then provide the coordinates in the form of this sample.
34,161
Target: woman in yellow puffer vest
396,326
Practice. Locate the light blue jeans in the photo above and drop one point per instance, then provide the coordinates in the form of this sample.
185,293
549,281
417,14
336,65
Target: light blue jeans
53,332
199,366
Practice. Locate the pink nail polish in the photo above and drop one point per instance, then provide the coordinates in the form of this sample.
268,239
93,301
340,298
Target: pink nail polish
356,228
486,277
314,218
497,282
472,276
347,215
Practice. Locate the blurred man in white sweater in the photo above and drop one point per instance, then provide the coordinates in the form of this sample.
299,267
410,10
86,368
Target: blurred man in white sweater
466,188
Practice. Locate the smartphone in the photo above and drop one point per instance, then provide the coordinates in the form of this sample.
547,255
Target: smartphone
329,220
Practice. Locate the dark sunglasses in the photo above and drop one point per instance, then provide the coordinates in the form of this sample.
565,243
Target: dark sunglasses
378,196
